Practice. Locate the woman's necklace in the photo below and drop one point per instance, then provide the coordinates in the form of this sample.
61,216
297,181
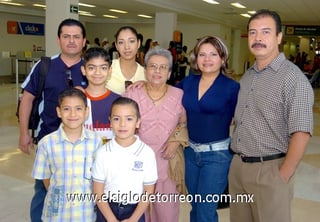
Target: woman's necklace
154,100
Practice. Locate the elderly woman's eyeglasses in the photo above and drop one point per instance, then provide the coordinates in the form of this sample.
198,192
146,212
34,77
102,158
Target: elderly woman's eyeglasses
155,67
69,78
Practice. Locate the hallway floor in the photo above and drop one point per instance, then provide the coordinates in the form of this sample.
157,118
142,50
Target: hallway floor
16,182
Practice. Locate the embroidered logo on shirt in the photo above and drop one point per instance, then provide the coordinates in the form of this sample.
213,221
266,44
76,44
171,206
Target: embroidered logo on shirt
138,166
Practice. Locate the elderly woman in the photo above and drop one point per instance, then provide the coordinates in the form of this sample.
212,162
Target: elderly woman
161,112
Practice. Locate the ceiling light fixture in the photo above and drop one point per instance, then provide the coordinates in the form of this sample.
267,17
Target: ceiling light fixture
144,16
12,3
91,15
39,5
211,2
252,12
86,13
238,5
110,16
246,15
86,5
118,11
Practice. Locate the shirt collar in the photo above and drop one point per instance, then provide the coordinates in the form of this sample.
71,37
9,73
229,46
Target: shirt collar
63,136
274,65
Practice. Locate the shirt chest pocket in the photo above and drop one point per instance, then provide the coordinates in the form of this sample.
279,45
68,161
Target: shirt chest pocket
87,165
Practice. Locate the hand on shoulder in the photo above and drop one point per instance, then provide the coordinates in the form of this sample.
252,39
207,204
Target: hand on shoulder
137,85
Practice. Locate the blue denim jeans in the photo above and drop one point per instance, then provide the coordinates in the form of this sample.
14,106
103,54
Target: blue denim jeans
37,201
206,174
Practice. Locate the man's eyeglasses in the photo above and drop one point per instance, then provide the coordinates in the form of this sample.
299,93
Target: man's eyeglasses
69,78
162,67
127,83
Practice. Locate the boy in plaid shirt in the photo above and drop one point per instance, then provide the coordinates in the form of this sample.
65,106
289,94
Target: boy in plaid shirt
64,159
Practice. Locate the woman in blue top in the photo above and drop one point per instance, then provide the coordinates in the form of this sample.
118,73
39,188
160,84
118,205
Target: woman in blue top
210,98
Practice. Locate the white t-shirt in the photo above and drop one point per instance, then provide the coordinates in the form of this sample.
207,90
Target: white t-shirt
125,170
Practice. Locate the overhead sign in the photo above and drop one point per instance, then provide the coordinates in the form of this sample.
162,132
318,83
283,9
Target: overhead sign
74,9
303,30
24,28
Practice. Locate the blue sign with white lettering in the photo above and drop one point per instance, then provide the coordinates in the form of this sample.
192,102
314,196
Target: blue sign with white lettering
24,28
32,28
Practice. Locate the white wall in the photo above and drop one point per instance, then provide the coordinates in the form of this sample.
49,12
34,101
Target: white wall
191,32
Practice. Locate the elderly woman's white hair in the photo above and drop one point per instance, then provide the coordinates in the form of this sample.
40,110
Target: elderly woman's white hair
160,52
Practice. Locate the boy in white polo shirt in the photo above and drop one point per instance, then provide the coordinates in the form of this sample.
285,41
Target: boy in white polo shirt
124,169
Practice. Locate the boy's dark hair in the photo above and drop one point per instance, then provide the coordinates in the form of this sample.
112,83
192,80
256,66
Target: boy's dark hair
96,52
126,101
72,92
267,13
71,22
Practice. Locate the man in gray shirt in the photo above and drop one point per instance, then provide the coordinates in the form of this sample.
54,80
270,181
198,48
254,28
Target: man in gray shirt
273,124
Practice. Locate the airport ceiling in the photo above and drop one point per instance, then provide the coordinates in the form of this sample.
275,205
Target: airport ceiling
293,12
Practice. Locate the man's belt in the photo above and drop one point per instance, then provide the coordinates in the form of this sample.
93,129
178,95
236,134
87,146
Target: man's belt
256,159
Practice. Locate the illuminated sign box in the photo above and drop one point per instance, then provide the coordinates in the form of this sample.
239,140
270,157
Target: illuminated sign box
302,30
24,28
